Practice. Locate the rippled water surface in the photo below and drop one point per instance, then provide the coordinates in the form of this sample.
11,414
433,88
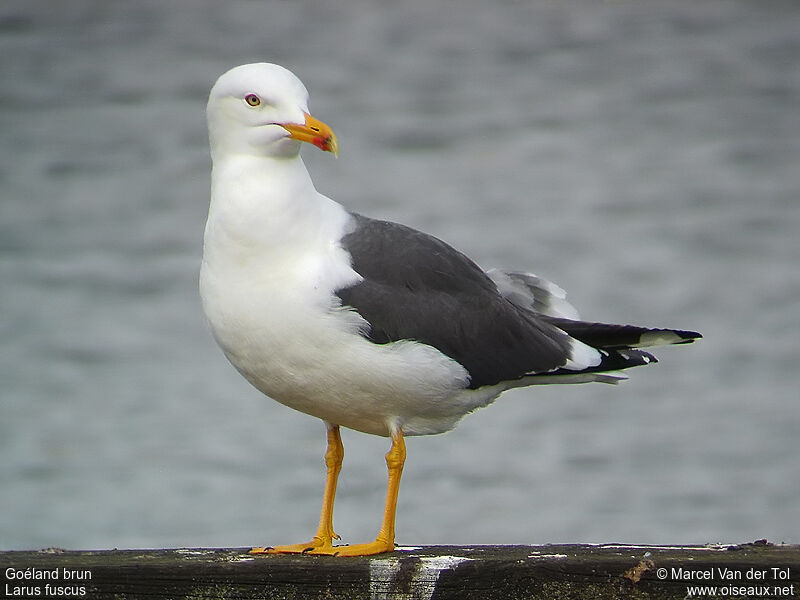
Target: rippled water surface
644,155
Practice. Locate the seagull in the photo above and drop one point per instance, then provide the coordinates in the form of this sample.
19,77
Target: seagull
364,323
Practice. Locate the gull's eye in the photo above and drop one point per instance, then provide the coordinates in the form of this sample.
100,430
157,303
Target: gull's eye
252,100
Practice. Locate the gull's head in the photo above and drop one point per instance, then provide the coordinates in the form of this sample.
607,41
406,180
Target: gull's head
262,109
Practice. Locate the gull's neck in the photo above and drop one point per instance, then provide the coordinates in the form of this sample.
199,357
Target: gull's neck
256,186
265,205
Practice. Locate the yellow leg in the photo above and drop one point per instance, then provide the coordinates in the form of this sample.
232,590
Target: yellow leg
323,540
395,459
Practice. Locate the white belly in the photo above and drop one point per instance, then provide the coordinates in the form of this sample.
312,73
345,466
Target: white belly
287,335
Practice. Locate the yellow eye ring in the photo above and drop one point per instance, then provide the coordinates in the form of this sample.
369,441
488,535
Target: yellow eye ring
252,100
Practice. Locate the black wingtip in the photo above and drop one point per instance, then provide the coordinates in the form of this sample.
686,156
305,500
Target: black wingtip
687,337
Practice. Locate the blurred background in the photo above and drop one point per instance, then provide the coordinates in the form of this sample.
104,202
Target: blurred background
642,154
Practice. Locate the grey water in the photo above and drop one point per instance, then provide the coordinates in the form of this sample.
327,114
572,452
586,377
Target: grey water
643,155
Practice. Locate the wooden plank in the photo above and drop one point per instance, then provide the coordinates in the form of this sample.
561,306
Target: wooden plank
609,571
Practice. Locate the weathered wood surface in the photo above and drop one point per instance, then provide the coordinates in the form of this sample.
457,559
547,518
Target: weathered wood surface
434,572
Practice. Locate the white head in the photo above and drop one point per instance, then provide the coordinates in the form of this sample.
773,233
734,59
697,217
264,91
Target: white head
262,109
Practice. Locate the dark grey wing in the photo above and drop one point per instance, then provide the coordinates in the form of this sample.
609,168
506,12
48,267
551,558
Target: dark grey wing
416,287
